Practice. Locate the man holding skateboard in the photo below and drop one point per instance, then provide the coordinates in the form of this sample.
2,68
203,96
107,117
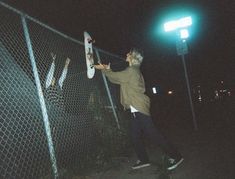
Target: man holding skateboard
132,94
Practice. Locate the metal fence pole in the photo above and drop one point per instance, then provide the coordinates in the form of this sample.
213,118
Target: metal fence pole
108,92
41,97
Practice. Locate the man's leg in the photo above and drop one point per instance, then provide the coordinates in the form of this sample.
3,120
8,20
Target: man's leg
136,136
157,138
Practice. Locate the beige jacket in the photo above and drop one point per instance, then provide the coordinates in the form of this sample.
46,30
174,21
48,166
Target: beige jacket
132,88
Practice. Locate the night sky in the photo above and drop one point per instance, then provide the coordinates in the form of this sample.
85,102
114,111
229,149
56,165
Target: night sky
118,25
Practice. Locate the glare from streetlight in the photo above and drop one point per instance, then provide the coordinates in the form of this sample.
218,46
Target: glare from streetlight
176,24
184,33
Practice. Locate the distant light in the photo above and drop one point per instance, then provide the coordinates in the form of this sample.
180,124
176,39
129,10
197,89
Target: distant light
170,92
223,90
216,94
184,34
154,90
200,98
181,23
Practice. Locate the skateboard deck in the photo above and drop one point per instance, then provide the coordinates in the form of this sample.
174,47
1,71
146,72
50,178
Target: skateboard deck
89,55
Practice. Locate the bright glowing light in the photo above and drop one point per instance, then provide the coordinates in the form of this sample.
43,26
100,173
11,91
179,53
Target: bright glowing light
184,34
200,98
154,90
176,24
170,92
184,22
171,25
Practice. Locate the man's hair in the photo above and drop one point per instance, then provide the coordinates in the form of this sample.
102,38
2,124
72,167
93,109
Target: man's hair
137,56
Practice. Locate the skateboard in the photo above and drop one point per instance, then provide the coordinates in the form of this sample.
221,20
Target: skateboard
88,41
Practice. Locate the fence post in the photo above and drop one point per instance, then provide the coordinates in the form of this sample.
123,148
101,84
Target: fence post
41,97
108,92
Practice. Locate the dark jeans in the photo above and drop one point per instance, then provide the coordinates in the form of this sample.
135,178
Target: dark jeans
143,124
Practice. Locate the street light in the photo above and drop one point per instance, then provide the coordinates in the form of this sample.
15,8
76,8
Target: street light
179,26
176,24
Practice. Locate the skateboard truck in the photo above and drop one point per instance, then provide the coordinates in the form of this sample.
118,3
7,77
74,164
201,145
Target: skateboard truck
90,41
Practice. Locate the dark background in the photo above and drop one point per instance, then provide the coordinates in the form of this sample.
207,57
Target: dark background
118,25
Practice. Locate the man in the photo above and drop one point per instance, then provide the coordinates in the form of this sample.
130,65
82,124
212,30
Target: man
132,94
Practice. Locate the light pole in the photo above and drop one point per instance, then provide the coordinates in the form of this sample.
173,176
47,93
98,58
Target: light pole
179,26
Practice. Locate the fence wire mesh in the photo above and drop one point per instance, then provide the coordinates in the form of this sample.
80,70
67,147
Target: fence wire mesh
23,140
83,127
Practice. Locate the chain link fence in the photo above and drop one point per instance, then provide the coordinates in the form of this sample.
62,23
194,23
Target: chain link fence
52,117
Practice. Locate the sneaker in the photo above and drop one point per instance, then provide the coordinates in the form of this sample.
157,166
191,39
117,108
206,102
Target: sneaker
140,164
173,163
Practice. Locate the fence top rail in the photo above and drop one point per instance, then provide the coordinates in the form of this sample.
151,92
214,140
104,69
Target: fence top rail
54,30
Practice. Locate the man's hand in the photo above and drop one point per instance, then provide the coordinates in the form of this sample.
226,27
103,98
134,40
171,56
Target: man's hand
102,66
67,62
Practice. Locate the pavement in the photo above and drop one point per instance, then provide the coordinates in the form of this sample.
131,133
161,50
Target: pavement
209,152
